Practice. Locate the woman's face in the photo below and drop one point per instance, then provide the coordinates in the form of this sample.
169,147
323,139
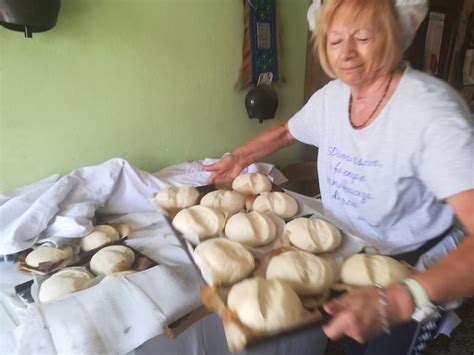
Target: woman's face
353,46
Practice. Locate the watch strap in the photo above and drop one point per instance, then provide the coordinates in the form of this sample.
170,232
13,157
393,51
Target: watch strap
420,297
425,310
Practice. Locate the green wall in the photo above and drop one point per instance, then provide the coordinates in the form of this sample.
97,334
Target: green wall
151,81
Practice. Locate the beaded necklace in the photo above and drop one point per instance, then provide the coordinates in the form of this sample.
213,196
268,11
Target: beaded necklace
375,109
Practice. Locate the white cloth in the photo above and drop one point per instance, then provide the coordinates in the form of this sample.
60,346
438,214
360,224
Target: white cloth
58,208
191,174
385,182
410,12
115,316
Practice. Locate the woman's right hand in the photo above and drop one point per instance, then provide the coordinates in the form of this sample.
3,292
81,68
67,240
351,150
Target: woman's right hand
266,143
228,168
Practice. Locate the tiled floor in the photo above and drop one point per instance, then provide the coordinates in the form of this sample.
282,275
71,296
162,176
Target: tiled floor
460,343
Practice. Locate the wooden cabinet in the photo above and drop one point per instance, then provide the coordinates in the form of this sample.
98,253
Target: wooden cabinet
415,54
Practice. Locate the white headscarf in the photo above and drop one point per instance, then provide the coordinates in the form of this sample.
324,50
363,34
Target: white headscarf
411,13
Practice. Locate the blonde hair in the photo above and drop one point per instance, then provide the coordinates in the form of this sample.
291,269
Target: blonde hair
384,15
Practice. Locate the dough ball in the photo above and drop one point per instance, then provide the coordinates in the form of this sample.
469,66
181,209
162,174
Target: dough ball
228,202
365,270
63,283
280,203
251,184
313,235
205,222
223,261
46,254
265,305
177,197
115,258
252,229
305,273
101,235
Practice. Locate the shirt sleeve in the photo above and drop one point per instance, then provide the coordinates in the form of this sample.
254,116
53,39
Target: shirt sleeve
305,124
446,160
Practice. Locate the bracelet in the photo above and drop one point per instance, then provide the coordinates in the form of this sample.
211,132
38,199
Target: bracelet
383,308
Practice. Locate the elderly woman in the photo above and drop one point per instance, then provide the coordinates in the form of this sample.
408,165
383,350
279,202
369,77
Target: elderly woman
395,167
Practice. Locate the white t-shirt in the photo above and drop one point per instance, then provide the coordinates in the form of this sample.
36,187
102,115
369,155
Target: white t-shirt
385,182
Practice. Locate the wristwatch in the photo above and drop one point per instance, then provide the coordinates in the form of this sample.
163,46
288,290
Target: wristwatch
425,310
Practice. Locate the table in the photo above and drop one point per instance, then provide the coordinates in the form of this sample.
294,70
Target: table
205,336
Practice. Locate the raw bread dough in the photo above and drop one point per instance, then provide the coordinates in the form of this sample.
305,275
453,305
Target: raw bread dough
251,184
177,197
313,235
265,305
305,273
366,270
205,222
63,282
101,235
223,261
250,228
115,258
228,202
280,203
45,254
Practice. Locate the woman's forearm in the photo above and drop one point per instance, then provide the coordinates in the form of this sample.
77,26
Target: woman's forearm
453,277
266,143
448,280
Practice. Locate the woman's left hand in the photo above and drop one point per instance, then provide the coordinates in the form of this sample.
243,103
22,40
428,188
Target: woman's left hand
355,314
358,313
